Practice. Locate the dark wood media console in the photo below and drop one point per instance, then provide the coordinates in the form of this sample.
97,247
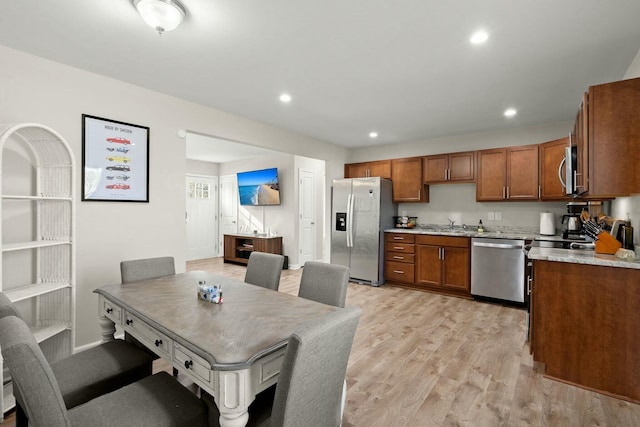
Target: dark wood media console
238,247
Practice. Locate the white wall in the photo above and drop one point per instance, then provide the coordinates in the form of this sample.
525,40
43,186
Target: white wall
197,167
41,91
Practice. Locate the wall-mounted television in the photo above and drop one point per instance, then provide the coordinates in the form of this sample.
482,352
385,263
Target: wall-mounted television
259,187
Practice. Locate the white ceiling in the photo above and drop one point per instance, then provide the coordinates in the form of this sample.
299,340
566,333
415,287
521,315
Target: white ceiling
216,150
403,68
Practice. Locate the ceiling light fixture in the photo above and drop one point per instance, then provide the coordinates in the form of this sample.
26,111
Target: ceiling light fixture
510,112
479,37
285,97
162,15
373,134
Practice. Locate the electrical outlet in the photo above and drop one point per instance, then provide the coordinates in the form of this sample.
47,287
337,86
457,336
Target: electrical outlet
490,216
498,216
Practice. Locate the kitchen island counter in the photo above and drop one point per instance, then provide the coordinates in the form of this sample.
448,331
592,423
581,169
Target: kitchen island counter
577,256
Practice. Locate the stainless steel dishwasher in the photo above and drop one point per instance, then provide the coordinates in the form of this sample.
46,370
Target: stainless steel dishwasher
497,269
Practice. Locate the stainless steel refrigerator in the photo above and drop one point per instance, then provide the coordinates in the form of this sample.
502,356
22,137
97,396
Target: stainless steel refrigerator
362,208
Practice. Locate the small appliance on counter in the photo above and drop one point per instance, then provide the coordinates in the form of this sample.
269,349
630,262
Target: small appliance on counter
405,221
574,218
547,223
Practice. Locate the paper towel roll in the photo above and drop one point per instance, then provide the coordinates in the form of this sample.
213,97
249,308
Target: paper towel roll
547,223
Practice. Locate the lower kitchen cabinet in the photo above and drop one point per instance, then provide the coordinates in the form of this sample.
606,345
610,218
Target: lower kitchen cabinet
443,263
584,325
399,257
429,262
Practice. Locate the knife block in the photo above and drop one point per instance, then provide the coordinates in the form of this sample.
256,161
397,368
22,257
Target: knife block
607,244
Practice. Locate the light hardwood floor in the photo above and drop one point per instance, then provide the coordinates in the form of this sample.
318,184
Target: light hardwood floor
421,359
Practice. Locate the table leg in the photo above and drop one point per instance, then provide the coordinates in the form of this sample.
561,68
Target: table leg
107,329
234,420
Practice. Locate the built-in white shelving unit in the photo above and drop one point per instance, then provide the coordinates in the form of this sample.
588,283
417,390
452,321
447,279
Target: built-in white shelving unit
37,177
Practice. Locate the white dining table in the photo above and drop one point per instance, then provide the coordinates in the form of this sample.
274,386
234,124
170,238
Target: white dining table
231,350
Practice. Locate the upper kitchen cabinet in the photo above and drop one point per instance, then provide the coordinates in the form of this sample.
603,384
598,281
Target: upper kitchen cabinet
507,174
551,155
408,185
381,168
614,139
454,167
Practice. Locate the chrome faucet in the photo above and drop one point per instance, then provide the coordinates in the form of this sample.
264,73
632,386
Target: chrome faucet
451,222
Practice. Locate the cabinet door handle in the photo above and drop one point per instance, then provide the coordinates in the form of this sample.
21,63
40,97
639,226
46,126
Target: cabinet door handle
398,248
443,254
109,310
398,238
398,257
158,343
129,322
398,271
503,193
188,364
507,192
445,174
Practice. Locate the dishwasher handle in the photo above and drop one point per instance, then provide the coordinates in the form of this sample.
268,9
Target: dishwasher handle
499,245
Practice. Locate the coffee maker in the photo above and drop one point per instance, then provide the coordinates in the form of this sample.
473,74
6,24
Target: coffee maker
572,222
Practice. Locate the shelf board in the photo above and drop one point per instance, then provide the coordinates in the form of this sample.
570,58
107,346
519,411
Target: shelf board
7,247
18,197
34,290
9,401
42,333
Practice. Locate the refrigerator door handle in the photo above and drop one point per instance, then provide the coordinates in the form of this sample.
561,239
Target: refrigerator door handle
350,221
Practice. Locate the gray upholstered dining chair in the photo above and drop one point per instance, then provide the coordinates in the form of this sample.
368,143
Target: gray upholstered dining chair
157,400
147,268
325,283
309,388
264,269
90,373
143,269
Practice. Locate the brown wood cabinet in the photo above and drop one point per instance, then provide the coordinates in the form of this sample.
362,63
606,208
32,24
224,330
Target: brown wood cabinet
453,167
551,155
443,263
408,186
237,248
614,139
585,325
381,168
507,174
399,257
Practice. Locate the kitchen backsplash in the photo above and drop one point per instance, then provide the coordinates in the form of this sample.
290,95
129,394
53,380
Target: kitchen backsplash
458,202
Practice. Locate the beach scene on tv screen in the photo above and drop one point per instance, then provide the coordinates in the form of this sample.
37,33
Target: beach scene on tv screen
259,187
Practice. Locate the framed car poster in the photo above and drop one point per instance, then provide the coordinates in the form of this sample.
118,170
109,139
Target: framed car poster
115,161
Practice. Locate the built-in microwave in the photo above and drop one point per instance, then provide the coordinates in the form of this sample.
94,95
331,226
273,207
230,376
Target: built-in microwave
570,163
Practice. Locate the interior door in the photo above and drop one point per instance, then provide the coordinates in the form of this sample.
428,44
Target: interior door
201,218
228,208
307,215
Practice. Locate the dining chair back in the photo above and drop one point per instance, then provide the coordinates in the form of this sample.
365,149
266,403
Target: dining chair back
325,283
147,268
157,400
264,269
309,389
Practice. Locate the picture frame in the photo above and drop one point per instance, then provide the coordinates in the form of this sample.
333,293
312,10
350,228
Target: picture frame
115,161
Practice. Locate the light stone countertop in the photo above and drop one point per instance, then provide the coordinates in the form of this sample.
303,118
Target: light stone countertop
439,230
576,256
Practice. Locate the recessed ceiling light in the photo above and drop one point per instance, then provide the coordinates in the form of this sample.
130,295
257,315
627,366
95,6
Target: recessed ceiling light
510,112
479,37
373,134
285,97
